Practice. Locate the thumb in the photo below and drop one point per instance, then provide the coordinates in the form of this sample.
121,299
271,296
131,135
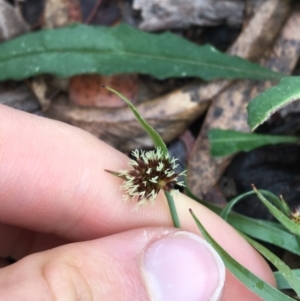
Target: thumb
142,264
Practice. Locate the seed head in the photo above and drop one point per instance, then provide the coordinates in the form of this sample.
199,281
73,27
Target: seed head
149,173
295,216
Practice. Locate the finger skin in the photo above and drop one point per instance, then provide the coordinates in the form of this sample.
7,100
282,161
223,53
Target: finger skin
20,242
52,180
102,269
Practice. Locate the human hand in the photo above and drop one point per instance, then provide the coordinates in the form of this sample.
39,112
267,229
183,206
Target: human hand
62,218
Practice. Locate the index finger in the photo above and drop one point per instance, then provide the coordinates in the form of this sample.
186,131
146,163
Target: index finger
52,180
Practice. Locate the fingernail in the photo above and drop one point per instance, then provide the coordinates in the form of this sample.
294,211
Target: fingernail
182,267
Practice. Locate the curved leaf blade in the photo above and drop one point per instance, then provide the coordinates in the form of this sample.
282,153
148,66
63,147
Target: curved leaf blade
277,201
80,49
271,100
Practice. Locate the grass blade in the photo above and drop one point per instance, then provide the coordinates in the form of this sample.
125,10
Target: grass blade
277,201
281,281
271,232
173,210
254,283
282,218
157,140
292,279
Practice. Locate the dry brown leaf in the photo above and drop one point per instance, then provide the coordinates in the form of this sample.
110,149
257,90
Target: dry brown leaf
39,87
59,13
118,126
257,35
228,112
86,90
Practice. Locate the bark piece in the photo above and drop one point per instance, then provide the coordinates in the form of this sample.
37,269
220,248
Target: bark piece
167,14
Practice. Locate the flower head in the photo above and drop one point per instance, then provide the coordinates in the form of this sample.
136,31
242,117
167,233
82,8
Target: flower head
149,173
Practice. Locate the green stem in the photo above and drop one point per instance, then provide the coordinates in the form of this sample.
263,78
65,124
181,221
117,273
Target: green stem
173,210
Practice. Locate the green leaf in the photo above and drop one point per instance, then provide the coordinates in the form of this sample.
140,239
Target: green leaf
282,218
265,231
79,49
227,142
281,282
157,140
292,279
173,210
276,201
254,283
271,100
271,232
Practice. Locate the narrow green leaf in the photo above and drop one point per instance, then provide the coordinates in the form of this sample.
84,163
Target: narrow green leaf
79,49
157,140
292,278
227,142
254,283
116,174
276,201
271,232
173,210
265,231
271,100
281,282
285,208
282,218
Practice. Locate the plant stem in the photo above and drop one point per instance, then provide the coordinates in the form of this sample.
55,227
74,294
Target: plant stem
173,210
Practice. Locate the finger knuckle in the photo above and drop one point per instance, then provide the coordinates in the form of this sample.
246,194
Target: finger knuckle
66,282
